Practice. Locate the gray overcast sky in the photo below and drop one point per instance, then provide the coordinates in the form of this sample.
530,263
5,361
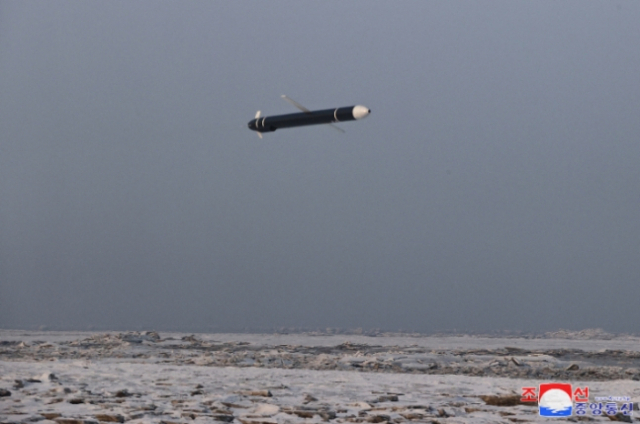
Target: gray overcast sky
495,185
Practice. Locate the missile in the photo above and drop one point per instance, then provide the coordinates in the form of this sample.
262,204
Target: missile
307,117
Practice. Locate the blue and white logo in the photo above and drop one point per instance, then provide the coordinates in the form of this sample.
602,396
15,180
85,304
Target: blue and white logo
555,400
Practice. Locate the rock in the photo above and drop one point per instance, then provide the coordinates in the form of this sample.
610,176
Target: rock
412,416
620,417
76,401
380,418
18,384
264,393
515,361
255,421
50,415
388,398
122,393
573,367
136,337
448,412
224,418
505,400
327,415
304,414
33,380
266,409
49,376
151,336
308,399
109,418
4,393
196,392
74,421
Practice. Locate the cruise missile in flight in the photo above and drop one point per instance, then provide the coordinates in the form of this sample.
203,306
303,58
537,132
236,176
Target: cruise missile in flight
307,117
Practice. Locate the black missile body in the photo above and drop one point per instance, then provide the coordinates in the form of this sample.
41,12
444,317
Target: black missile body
326,116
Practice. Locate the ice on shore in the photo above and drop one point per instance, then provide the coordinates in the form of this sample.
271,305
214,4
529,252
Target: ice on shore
79,378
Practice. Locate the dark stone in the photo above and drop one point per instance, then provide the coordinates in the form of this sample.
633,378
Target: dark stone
224,418
110,418
378,418
74,421
505,400
327,415
304,414
4,393
50,415
620,417
308,398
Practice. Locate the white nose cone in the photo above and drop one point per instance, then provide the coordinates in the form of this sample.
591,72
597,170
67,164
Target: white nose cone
360,112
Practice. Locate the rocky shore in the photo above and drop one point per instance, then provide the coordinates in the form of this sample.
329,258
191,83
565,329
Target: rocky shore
508,361
85,378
